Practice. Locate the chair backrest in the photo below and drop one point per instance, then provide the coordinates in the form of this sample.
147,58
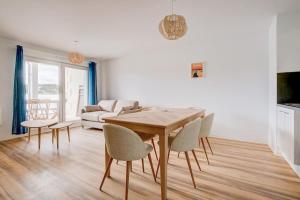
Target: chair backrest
187,138
123,144
206,125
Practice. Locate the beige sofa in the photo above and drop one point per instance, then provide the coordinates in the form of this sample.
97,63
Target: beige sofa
92,116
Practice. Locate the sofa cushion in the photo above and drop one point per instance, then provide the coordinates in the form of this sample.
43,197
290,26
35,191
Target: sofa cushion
107,105
124,105
92,116
108,114
92,108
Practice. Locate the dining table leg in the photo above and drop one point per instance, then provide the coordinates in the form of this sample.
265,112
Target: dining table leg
107,159
163,150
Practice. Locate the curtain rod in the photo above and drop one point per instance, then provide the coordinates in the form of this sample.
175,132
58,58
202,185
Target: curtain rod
49,60
60,57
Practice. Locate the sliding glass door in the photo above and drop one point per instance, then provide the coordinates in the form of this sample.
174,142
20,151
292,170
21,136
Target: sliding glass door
42,90
75,92
55,90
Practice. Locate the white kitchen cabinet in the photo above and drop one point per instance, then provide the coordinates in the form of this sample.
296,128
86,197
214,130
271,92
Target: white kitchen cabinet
285,132
288,134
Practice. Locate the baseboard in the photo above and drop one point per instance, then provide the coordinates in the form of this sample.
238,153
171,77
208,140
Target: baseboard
237,139
296,168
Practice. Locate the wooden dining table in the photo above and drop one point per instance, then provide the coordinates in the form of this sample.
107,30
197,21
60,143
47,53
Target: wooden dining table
161,122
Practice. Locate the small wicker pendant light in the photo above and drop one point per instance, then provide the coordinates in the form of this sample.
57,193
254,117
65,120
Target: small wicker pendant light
75,57
173,26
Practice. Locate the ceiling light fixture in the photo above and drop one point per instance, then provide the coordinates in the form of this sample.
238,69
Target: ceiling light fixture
75,57
173,26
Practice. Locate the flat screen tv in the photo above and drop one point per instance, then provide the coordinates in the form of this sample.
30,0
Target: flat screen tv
288,88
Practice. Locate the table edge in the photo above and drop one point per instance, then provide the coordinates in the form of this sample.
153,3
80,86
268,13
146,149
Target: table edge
111,119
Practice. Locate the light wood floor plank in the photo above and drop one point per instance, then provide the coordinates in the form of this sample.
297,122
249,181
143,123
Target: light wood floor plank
237,170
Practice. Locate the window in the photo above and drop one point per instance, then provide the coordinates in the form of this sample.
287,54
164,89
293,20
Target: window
42,90
55,90
42,81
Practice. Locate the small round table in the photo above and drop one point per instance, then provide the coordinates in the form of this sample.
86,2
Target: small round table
55,130
39,124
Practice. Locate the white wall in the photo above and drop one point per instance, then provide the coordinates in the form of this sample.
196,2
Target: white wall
273,84
236,86
7,60
289,41
7,66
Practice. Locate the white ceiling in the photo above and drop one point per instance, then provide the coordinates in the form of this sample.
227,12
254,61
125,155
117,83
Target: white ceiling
112,28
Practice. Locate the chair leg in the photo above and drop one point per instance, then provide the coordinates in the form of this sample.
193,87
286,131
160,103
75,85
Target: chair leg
190,168
106,173
131,167
151,165
158,164
209,145
202,141
117,162
152,141
178,154
196,159
143,165
128,166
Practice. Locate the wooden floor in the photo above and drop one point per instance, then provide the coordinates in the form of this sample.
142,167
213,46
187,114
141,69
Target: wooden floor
238,170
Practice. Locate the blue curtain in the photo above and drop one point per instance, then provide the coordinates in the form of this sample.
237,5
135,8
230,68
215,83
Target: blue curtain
92,92
19,109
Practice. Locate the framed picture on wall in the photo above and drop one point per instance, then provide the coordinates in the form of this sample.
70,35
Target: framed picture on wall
197,70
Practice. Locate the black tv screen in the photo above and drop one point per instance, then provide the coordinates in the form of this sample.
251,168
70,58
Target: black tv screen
288,88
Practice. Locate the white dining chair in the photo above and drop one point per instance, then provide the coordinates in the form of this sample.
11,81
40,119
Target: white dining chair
125,145
204,132
145,138
185,141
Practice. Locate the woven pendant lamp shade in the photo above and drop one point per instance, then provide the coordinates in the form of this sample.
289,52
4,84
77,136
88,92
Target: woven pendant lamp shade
76,58
173,26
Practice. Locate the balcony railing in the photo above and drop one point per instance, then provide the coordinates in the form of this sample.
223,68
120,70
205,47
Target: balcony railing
42,109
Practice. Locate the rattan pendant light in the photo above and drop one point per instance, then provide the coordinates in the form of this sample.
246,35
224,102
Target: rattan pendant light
75,57
173,26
